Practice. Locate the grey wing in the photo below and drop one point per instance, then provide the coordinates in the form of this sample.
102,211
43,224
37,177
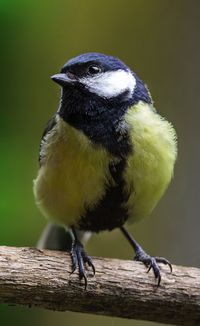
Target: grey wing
50,125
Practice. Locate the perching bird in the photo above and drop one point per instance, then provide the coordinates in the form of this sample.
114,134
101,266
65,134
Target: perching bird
106,157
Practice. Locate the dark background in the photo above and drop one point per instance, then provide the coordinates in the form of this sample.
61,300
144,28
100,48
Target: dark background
160,41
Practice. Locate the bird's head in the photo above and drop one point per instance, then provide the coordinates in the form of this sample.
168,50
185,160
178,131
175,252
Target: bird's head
99,77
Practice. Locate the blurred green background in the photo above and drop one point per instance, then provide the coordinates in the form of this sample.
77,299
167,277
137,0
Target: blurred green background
160,40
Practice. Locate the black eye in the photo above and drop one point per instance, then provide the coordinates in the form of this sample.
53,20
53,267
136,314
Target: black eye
94,70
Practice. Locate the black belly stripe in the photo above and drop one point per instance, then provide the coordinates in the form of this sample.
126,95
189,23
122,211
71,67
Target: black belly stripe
103,122
109,213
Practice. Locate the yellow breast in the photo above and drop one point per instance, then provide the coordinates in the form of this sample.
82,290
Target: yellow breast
150,166
73,177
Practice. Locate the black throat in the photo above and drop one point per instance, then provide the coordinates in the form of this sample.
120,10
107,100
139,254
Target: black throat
100,120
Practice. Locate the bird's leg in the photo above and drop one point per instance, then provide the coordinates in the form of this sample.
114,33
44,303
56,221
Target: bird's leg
142,256
80,258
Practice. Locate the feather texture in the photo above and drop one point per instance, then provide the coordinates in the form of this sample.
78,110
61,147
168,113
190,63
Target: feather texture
75,173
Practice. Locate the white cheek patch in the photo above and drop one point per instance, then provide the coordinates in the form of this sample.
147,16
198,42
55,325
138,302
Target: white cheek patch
111,83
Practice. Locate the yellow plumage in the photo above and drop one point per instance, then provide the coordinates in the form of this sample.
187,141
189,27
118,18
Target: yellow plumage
75,173
150,167
73,177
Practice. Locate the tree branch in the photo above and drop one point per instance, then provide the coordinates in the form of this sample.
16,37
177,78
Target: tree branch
29,276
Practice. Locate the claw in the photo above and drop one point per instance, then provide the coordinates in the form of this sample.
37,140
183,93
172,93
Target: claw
151,263
74,262
82,275
93,268
159,280
88,260
150,267
79,258
73,269
148,261
164,261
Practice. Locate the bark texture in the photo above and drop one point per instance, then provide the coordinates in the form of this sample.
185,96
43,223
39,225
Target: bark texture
29,276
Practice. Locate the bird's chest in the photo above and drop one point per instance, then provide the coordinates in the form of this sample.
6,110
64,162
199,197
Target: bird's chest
73,177
150,166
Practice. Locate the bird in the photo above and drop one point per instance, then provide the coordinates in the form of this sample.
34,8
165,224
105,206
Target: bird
106,158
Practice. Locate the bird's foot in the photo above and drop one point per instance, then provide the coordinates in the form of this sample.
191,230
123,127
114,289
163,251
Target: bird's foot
152,263
79,259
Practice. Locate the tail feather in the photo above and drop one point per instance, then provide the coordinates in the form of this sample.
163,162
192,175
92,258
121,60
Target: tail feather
55,237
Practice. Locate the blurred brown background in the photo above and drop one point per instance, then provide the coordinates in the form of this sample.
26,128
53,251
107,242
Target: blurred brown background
160,40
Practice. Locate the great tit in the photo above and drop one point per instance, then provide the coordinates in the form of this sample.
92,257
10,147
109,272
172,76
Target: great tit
106,157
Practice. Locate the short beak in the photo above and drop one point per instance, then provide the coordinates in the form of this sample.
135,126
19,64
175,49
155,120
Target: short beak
62,79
